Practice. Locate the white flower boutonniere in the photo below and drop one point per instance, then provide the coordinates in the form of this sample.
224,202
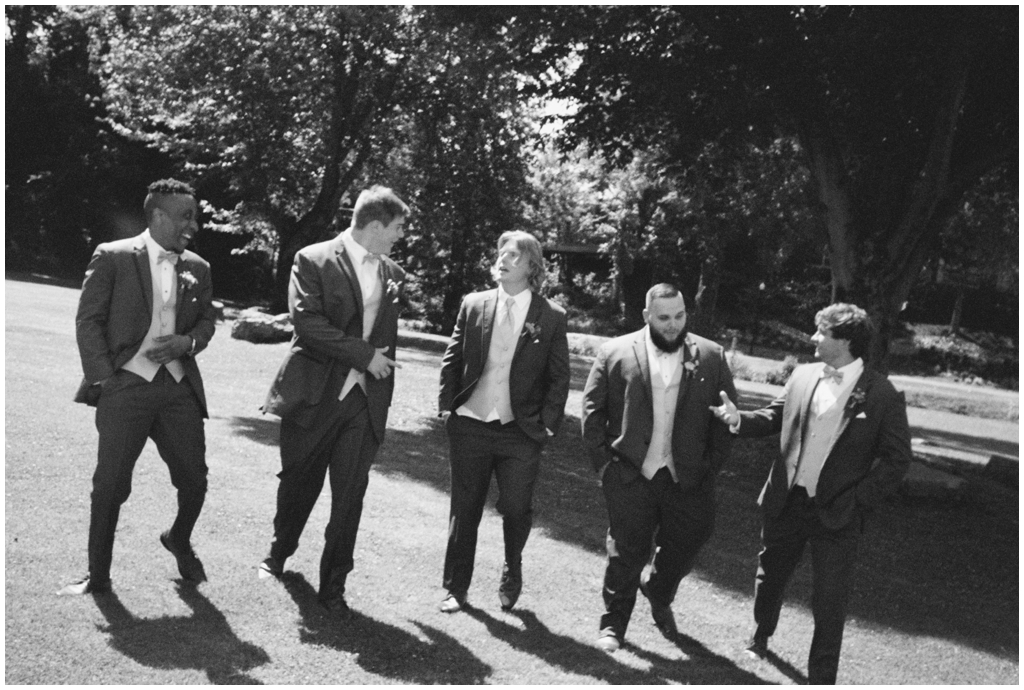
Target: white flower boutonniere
857,398
186,281
393,290
691,368
533,329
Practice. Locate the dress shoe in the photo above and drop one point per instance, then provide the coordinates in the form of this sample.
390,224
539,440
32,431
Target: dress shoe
511,586
453,603
662,615
271,567
84,586
189,565
609,641
337,607
757,646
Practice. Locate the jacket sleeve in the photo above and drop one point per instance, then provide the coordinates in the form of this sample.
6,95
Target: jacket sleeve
595,413
202,332
93,316
309,316
719,437
451,363
892,452
557,374
767,420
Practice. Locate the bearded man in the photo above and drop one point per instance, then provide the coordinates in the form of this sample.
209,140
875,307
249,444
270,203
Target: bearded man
657,448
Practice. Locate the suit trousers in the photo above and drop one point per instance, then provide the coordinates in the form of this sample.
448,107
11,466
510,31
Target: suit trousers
342,441
643,514
129,411
478,450
833,557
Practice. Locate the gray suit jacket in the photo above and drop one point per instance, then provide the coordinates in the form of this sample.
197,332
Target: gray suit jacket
116,308
618,413
867,460
326,305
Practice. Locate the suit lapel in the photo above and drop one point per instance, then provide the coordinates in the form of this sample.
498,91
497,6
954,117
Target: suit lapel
349,270
863,384
640,351
690,354
805,394
487,322
532,316
144,273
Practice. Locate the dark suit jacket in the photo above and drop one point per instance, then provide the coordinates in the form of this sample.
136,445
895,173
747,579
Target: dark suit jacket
539,380
326,305
867,460
116,308
618,413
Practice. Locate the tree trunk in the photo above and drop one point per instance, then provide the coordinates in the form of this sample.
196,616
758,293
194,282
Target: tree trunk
706,301
958,310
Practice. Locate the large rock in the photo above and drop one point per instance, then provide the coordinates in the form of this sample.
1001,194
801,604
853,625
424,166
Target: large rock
258,327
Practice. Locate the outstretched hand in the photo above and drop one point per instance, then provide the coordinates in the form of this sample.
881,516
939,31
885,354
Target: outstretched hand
727,411
381,366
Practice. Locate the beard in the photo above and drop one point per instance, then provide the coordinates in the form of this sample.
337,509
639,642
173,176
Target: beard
664,344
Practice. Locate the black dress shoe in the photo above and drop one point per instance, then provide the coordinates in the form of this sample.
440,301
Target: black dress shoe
337,607
511,586
271,567
609,641
453,603
662,615
189,565
85,586
757,646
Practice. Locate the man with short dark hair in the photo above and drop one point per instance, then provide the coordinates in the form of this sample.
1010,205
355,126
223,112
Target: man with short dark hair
657,450
334,387
145,311
845,445
504,382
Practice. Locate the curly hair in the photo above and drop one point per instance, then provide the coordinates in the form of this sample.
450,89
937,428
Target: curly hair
847,322
162,188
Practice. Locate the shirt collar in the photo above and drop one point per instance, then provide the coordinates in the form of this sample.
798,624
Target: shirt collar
357,252
152,248
851,373
522,299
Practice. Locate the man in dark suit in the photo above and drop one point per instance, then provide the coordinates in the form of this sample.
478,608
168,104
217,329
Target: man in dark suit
657,449
504,382
334,387
145,311
845,445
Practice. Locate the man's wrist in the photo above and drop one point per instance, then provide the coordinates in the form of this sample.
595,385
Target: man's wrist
192,347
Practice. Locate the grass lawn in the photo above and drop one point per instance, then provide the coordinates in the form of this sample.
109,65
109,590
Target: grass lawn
936,599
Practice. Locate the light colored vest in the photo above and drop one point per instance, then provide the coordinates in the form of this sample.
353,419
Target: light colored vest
664,399
818,437
164,318
371,305
491,399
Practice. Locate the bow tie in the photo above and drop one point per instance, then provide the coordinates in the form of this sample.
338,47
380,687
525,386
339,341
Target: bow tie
169,257
830,372
370,257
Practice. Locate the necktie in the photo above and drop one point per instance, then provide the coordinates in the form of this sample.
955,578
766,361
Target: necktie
507,322
830,372
370,258
169,257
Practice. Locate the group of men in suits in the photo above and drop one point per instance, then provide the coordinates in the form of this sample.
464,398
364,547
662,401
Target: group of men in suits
657,419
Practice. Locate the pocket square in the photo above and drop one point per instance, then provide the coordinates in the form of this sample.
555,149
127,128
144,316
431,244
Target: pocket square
861,416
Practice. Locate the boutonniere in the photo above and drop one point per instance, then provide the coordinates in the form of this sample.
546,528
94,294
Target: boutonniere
186,281
857,398
393,290
533,329
691,365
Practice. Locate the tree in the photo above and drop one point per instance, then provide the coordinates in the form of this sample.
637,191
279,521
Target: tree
458,151
272,109
898,112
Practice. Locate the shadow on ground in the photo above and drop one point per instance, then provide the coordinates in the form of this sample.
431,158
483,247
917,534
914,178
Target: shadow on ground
386,650
924,563
700,666
203,640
